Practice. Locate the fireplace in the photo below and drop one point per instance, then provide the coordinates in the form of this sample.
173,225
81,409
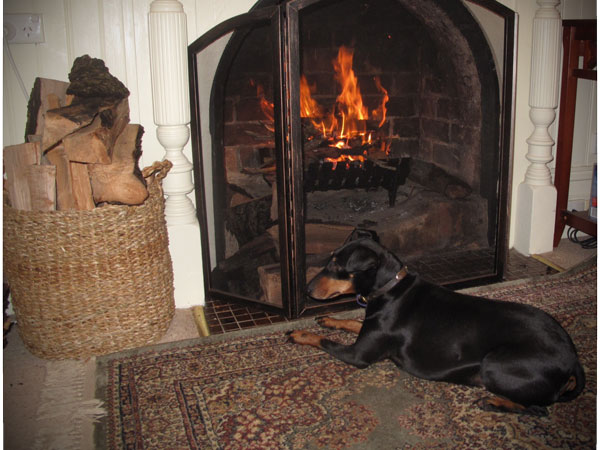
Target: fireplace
314,118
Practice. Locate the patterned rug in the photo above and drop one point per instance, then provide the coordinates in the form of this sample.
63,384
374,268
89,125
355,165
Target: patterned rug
253,390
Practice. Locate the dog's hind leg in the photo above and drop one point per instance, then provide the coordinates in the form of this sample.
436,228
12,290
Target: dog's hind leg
353,326
498,404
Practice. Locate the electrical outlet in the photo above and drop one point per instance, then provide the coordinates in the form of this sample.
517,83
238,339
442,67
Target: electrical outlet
23,28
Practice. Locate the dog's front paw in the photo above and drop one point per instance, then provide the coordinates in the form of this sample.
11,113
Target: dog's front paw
304,338
328,322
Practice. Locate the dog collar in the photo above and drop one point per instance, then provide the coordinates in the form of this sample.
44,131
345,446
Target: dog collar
363,301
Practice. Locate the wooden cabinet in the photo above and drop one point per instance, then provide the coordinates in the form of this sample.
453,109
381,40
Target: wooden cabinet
579,61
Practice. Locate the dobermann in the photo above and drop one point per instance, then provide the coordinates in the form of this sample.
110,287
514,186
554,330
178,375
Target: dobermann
516,351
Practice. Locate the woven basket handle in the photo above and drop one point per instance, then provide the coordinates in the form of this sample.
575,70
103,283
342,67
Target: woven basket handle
159,169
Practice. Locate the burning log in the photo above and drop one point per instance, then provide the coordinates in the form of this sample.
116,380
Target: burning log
368,174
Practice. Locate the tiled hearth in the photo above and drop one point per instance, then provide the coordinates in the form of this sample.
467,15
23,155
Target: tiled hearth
223,317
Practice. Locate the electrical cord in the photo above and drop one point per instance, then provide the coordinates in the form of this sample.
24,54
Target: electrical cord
14,66
589,243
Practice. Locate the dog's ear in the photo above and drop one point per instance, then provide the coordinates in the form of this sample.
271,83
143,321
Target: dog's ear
362,259
361,233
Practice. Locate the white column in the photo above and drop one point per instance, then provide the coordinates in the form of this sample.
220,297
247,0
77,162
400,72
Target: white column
536,195
170,99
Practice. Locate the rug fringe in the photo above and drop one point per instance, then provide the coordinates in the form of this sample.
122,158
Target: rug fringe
62,408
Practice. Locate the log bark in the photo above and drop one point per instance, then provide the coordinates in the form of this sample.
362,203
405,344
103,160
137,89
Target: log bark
121,181
94,143
89,77
43,93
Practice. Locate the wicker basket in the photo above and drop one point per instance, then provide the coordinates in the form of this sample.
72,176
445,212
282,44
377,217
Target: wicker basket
87,283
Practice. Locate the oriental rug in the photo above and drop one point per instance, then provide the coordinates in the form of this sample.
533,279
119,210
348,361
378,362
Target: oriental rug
254,390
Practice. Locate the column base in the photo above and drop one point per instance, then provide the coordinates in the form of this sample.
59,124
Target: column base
535,212
186,254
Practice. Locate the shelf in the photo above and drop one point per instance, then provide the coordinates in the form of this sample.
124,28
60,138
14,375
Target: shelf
579,42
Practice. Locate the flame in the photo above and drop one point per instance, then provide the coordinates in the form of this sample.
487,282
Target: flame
380,112
267,107
349,104
347,119
345,158
349,101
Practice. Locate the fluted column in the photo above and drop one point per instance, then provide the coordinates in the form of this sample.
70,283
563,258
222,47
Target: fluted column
536,195
171,103
170,96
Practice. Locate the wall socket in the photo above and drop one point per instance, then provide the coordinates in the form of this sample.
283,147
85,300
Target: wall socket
23,28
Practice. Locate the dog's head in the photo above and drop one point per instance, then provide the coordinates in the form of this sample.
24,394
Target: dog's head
352,269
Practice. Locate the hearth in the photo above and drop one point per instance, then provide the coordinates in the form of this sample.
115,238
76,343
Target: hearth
313,118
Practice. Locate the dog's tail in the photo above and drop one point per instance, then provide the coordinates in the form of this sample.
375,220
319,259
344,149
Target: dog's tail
574,385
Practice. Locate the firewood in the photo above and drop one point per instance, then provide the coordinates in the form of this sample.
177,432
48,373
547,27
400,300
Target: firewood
319,237
270,282
44,90
94,143
438,180
42,187
16,160
64,185
121,181
89,77
63,121
82,189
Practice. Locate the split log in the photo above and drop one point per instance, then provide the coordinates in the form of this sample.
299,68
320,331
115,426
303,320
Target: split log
42,187
64,185
17,158
250,219
44,92
319,237
63,121
82,189
438,180
94,143
238,274
121,181
270,282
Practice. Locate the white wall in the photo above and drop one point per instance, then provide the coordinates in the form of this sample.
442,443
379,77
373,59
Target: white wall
117,32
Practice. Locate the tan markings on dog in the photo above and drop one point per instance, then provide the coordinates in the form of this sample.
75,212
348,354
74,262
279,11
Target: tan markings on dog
306,338
504,403
353,326
326,288
569,385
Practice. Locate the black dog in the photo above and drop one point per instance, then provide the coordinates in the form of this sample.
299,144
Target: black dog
515,351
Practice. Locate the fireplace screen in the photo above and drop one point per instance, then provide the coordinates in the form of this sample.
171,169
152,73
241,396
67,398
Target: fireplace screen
314,118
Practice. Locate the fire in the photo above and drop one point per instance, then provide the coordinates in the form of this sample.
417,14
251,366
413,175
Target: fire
345,158
349,104
267,107
346,124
